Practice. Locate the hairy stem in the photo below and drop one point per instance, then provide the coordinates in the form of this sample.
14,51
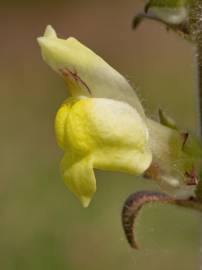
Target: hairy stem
199,88
136,201
196,31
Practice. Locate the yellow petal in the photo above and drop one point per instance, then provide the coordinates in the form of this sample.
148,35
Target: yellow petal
85,73
100,133
61,121
103,125
79,177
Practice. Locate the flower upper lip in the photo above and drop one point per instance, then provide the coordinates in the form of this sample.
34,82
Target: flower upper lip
95,75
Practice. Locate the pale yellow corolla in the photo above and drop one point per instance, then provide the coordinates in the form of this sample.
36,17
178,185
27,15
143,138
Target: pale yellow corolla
94,130
103,126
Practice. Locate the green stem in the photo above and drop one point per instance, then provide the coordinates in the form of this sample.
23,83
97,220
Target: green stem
199,89
196,30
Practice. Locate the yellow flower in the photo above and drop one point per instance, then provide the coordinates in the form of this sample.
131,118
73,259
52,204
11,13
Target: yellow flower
102,125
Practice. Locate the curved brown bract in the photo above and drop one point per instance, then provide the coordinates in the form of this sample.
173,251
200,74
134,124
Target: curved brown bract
137,200
131,208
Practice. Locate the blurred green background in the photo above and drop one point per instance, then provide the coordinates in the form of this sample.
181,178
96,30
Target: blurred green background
42,226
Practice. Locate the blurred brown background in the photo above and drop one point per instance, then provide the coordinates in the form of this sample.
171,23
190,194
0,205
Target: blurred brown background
42,226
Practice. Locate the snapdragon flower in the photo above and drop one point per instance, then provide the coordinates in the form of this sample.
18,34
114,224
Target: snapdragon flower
102,125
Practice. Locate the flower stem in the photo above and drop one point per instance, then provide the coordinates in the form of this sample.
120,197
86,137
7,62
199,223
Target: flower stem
196,30
199,88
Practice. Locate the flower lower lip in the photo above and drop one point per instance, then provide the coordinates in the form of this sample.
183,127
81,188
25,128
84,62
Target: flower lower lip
73,75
